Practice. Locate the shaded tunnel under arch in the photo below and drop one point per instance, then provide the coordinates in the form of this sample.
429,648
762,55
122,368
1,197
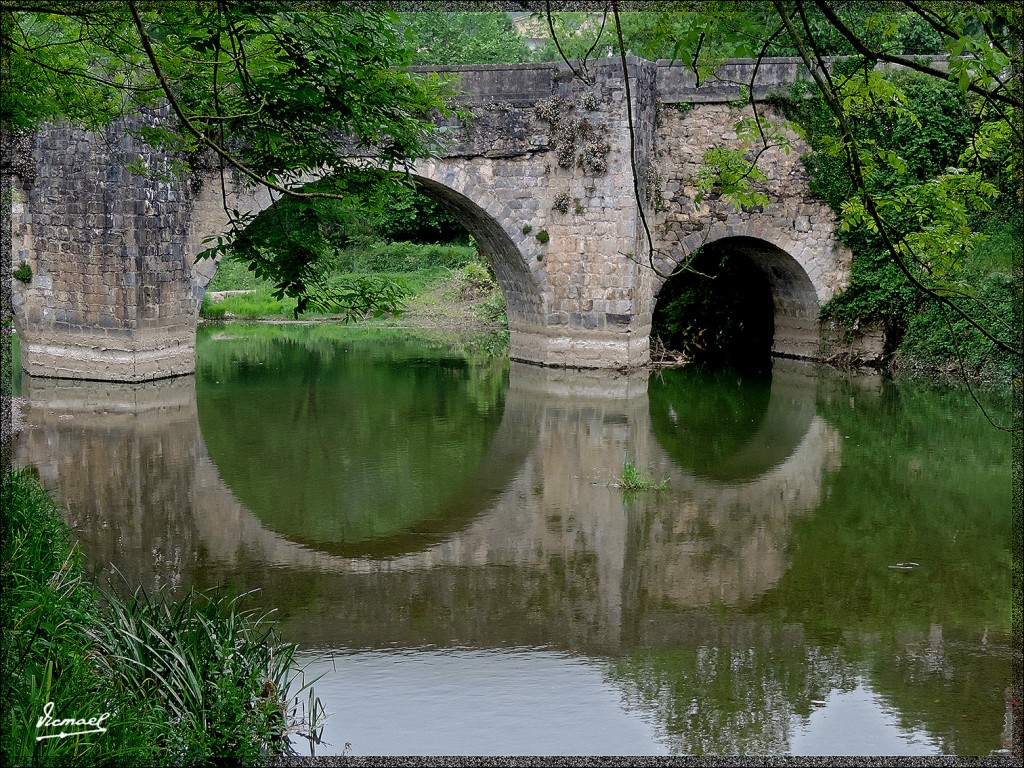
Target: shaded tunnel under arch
744,299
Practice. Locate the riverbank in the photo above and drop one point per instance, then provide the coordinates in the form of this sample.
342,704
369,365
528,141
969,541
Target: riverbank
465,304
80,661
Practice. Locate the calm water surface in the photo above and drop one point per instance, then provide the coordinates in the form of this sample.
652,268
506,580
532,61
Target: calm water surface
443,535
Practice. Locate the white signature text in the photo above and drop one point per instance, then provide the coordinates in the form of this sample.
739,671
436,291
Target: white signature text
76,726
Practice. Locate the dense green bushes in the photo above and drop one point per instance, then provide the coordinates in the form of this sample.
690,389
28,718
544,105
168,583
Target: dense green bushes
181,683
930,137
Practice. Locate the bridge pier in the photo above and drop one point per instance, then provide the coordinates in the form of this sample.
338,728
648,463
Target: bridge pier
112,294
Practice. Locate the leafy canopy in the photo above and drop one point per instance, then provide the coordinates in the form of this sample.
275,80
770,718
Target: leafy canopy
269,89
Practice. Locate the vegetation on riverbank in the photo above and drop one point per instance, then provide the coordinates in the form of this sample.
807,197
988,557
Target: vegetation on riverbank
921,151
182,683
447,287
928,143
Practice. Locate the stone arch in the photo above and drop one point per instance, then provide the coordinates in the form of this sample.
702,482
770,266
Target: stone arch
464,195
797,288
476,209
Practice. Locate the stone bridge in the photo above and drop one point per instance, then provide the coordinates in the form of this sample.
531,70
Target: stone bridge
542,176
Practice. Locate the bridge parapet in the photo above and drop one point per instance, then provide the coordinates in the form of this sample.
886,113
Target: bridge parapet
770,75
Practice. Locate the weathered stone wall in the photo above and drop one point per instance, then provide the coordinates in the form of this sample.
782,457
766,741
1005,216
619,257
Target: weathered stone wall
792,239
547,161
111,291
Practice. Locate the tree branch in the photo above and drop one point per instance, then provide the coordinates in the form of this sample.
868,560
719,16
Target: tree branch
187,124
857,172
867,53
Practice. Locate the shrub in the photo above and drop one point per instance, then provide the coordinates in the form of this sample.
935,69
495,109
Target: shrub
211,311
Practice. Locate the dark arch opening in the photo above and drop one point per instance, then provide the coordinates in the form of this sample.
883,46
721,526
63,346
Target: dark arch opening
742,301
719,312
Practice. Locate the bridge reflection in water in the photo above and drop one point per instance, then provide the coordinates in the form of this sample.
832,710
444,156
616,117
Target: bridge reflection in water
547,550
526,543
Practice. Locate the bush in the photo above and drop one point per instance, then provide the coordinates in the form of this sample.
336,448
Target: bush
879,292
211,311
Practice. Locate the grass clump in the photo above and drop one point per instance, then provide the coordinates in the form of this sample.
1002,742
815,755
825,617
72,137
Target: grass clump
189,682
638,479
210,311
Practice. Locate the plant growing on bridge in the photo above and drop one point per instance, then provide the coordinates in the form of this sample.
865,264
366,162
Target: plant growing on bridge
23,272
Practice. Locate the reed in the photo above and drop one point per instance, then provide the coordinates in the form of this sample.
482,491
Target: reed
636,479
193,681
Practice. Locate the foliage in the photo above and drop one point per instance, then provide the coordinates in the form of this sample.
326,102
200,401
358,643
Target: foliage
445,38
941,214
217,673
374,208
22,272
937,340
701,36
208,311
184,683
404,257
265,89
411,268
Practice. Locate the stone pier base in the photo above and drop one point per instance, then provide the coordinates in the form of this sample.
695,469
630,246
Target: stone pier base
96,356
583,349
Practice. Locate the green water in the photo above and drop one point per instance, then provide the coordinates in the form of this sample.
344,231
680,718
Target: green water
382,442
444,535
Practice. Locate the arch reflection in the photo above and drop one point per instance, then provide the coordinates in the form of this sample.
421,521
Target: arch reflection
700,591
354,448
726,426
528,525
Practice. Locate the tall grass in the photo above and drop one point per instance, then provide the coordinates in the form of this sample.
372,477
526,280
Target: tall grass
190,682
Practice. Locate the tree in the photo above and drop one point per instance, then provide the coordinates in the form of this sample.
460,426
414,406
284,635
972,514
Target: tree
269,89
442,38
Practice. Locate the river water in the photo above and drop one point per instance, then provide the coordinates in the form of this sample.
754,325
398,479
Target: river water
445,536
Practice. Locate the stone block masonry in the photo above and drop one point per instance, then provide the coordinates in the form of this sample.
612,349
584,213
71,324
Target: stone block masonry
541,174
110,297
